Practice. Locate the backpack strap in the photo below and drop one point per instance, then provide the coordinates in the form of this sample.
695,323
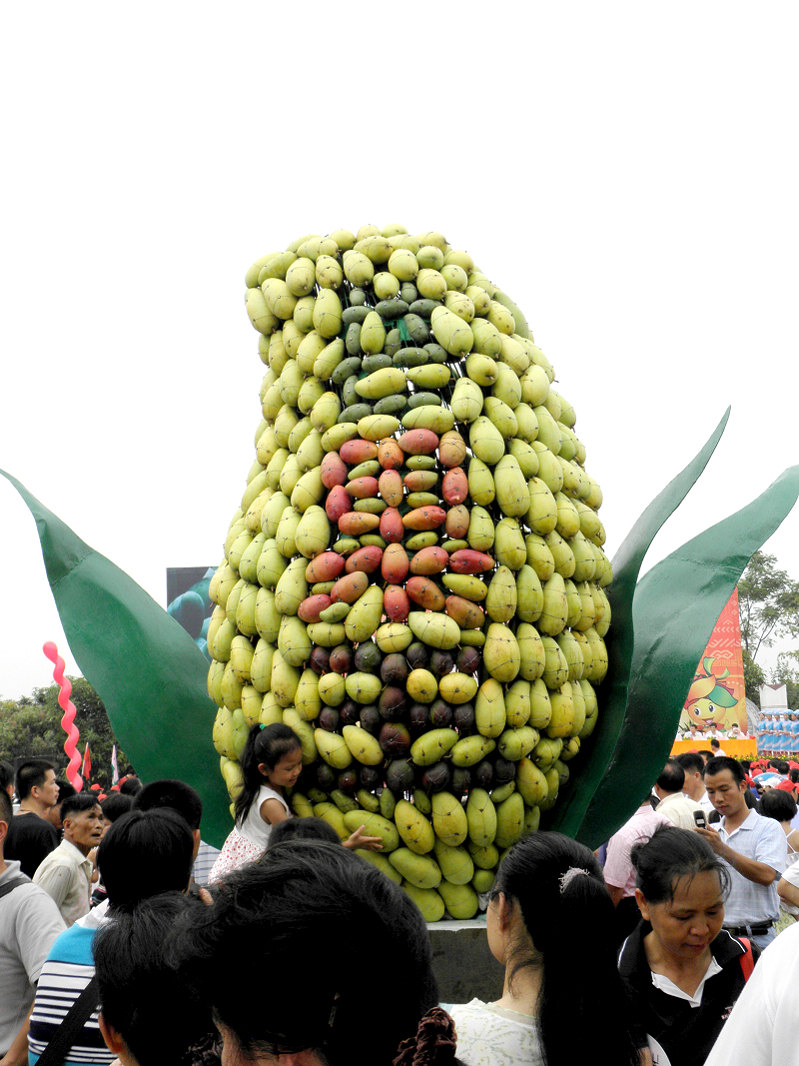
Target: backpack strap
747,960
15,882
69,1029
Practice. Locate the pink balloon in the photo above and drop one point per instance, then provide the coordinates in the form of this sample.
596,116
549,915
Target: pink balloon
68,720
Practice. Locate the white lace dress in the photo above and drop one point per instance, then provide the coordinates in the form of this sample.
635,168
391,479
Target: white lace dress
494,1036
248,840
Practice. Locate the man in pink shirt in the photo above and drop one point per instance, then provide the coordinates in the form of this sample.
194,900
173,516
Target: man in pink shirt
619,870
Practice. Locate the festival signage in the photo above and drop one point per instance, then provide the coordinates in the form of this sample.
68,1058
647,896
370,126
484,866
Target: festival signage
716,701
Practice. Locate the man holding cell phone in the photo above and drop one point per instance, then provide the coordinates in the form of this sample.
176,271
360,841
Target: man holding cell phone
754,848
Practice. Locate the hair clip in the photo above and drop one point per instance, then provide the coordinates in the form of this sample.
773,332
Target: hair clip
567,878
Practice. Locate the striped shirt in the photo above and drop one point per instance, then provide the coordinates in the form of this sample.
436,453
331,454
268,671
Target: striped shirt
67,970
206,857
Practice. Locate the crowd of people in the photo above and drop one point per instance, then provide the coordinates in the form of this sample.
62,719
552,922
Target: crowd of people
778,733
659,948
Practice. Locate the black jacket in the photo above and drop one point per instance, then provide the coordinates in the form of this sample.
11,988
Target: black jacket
30,839
685,1033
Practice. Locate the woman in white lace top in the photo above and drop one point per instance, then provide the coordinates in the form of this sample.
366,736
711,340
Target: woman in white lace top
550,924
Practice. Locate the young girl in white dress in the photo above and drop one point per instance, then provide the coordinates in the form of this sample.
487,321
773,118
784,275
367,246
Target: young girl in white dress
271,763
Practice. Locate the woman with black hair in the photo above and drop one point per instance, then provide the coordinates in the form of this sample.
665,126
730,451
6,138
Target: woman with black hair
781,806
682,970
313,955
550,924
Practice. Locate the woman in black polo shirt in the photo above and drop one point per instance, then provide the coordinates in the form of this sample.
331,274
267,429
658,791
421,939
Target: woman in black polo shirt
682,970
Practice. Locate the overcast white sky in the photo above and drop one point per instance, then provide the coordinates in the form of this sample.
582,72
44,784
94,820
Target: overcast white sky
627,172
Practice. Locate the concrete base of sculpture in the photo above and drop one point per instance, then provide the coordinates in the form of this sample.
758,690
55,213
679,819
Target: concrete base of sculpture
463,965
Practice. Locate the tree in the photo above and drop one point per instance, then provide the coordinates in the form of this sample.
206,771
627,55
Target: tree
31,727
768,601
786,673
754,677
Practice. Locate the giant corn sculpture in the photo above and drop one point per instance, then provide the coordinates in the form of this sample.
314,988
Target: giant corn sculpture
414,579
415,582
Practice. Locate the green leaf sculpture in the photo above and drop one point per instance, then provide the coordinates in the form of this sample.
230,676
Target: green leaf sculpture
613,693
661,626
145,667
675,608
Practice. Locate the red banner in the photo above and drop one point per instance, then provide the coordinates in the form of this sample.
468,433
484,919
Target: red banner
716,701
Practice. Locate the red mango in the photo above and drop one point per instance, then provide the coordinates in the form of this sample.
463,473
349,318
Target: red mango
451,448
425,593
468,615
366,559
353,523
457,522
424,518
361,488
334,470
418,441
431,560
357,451
390,487
468,561
324,567
396,604
349,587
391,527
455,486
312,606
389,454
395,564
338,502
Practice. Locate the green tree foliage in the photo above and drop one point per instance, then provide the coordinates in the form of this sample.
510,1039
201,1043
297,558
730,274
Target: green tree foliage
786,673
769,604
754,677
31,727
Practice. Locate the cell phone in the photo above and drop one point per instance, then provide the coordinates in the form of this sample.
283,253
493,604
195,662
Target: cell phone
701,821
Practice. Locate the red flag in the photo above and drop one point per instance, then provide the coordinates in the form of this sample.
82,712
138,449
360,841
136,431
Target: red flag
86,768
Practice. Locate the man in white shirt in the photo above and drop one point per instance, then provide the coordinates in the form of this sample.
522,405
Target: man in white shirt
754,848
66,873
761,1031
694,786
674,804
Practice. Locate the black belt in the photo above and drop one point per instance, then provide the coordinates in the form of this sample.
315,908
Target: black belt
749,930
